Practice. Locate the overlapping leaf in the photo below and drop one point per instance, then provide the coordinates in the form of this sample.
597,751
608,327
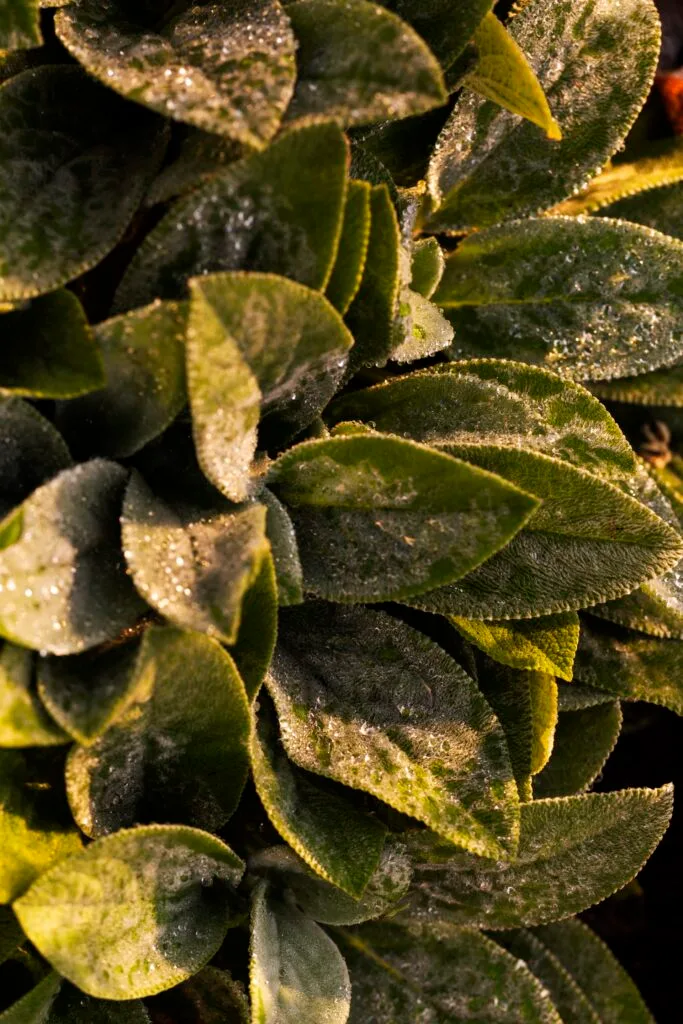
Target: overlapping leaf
347,272
283,546
32,451
545,644
23,720
447,25
20,25
584,739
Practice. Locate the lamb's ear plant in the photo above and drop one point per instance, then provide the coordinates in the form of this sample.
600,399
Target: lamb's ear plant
324,568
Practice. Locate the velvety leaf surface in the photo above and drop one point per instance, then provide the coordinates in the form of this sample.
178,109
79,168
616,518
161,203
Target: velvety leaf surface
606,542
503,74
226,68
490,165
420,327
23,720
64,585
630,665
603,981
427,266
297,972
33,838
134,913
661,209
48,350
340,843
349,688
283,546
257,633
347,272
74,164
170,756
380,517
279,211
193,563
655,608
589,298
439,974
257,344
31,452
545,644
573,852
19,25
34,1007
446,25
84,693
325,902
584,739
575,696
144,365
359,63
661,387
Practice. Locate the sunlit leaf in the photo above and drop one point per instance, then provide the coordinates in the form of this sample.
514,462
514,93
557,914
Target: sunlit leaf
427,266
545,644
23,720
347,272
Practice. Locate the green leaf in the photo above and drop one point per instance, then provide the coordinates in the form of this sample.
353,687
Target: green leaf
63,579
279,211
84,693
19,25
255,643
663,165
193,563
606,542
144,361
72,1007
210,997
655,608
575,697
134,913
446,25
661,209
228,69
170,756
199,157
297,972
573,852
33,836
35,1006
590,299
427,266
32,451
23,720
348,685
347,272
503,74
91,158
379,517
421,328
257,344
629,665
370,316
660,387
282,537
342,844
546,644
359,63
584,739
603,981
48,350
326,903
439,974
490,165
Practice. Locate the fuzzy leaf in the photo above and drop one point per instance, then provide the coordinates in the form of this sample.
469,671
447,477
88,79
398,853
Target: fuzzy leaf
347,272
74,164
490,165
48,350
144,360
590,299
282,537
169,756
84,693
32,451
226,68
655,608
200,156
503,74
19,25
297,972
427,266
573,852
348,685
575,697
546,644
63,579
255,642
661,209
422,329
379,517
23,721
439,974
134,913
340,843
603,981
279,211
446,25
325,902
193,563
35,1006
584,739
33,836
629,665
257,344
660,387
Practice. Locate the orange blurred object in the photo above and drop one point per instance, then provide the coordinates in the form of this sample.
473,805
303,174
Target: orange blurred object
670,85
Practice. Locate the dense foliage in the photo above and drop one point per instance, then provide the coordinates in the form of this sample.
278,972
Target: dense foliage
324,567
